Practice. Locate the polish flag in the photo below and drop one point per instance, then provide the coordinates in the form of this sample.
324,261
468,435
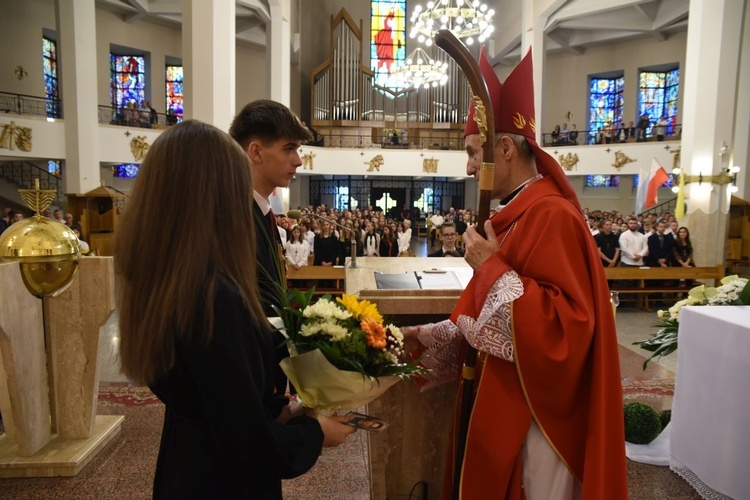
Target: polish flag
648,186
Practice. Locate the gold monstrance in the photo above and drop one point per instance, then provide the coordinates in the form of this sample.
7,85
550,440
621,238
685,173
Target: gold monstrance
47,250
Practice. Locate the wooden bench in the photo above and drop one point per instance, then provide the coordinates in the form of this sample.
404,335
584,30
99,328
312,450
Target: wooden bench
622,280
314,274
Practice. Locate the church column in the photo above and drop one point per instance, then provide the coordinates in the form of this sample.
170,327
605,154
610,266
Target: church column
278,52
208,45
77,27
532,37
711,85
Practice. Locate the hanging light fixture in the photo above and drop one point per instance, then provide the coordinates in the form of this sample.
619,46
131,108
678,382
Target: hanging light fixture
421,70
467,19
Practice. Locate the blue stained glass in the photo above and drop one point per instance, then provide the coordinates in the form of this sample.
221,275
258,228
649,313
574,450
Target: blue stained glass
126,170
606,102
602,180
53,167
127,80
174,88
658,97
49,69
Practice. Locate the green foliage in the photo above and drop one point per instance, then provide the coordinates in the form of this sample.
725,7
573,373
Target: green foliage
662,342
642,423
665,417
350,353
745,294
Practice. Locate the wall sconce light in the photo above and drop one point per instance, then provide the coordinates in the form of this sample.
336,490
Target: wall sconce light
676,171
20,72
675,189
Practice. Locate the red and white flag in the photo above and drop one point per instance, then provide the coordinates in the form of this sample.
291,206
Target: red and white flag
648,186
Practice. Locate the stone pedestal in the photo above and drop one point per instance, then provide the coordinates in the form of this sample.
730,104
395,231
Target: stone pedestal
414,447
48,399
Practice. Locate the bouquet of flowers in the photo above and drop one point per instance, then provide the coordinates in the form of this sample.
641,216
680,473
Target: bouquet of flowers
734,291
342,354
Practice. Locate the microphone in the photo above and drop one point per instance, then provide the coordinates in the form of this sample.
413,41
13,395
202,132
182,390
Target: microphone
296,214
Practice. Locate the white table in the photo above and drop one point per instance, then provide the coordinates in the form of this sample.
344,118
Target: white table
710,431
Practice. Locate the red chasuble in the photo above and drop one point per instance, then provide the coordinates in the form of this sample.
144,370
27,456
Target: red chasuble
566,374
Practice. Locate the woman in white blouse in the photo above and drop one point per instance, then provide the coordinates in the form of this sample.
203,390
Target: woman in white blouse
404,239
297,249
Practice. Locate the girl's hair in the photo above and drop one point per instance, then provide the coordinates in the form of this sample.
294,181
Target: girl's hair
169,268
687,236
299,238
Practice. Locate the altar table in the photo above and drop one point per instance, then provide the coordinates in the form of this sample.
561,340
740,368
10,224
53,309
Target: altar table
710,436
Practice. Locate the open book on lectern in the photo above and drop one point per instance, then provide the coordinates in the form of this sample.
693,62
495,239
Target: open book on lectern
431,279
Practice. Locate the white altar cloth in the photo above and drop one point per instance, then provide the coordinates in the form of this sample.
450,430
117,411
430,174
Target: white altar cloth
710,435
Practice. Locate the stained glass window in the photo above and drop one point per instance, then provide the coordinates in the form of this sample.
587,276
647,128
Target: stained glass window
126,170
174,90
605,104
49,56
128,80
387,39
53,167
670,182
657,97
602,181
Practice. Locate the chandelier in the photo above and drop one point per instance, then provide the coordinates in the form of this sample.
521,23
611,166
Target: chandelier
421,70
465,18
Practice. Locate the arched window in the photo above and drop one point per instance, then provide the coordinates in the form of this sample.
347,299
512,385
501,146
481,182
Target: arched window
657,97
387,39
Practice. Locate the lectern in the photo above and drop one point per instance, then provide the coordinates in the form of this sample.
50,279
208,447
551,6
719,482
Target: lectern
414,447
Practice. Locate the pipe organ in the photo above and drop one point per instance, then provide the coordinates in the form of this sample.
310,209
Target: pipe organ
345,95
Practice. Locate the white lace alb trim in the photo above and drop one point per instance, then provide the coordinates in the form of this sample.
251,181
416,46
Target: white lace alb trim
491,332
693,480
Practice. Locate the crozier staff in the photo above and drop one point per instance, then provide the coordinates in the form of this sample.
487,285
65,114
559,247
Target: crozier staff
546,421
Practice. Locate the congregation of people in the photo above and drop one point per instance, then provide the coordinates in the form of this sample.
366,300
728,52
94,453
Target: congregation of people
11,217
645,240
326,234
612,133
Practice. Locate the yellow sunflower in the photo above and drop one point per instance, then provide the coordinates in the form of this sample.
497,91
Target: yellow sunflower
360,310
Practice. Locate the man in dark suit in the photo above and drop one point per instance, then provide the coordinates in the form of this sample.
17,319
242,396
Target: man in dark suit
271,134
660,245
448,235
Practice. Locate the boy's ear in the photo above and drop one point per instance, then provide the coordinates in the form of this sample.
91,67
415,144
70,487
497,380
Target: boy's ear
254,152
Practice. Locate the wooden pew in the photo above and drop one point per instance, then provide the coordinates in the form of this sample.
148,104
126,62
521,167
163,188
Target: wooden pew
314,274
621,279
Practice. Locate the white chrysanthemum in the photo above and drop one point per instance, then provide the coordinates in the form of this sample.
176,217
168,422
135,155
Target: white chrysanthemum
333,330
396,333
390,357
326,309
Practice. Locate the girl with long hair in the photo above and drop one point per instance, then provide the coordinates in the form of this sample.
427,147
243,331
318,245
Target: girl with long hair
297,249
388,243
683,248
192,327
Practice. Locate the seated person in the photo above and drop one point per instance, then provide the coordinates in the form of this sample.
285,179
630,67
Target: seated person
555,135
394,138
448,235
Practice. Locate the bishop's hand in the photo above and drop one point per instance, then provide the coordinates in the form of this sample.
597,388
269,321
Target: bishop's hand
479,249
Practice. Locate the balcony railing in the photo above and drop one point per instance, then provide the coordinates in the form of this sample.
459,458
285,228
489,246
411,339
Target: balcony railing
30,105
591,137
23,174
136,117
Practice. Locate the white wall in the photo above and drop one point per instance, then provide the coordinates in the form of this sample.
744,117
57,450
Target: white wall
567,77
21,24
